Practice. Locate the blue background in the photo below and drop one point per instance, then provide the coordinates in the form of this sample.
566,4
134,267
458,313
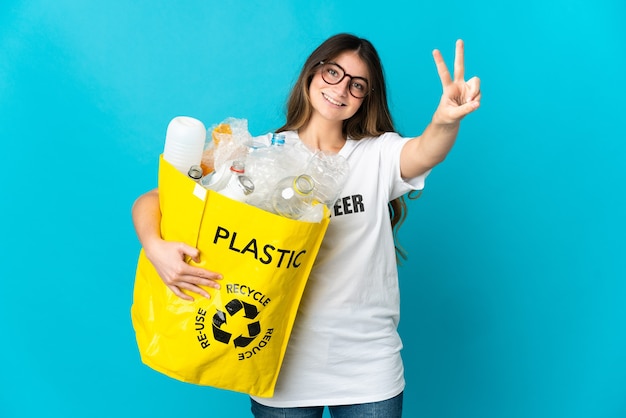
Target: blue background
514,293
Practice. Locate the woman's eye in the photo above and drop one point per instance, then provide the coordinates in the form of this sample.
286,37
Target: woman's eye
358,86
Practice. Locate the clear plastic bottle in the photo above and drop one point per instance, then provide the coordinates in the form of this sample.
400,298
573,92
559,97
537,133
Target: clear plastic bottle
265,166
329,173
293,196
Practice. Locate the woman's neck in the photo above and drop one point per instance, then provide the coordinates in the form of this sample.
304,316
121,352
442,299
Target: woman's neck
325,136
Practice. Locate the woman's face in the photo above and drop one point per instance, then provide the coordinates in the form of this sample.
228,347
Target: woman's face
333,101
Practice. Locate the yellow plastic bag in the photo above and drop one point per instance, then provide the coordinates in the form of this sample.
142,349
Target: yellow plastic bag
235,340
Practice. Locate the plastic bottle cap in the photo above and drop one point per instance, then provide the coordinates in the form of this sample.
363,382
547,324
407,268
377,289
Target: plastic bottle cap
278,139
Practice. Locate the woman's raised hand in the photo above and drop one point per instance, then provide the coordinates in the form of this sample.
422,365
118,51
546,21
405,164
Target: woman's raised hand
459,97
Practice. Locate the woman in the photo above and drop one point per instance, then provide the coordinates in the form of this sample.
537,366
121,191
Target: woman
344,351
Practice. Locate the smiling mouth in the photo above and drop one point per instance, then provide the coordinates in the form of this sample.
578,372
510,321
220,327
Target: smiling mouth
332,101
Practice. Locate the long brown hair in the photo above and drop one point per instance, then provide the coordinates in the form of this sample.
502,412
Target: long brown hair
373,117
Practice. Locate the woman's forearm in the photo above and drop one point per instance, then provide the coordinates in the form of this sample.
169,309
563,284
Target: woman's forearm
436,142
424,152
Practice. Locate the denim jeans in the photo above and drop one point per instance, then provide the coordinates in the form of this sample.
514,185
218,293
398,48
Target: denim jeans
391,408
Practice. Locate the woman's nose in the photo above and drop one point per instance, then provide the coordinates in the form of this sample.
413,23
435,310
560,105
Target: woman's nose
344,86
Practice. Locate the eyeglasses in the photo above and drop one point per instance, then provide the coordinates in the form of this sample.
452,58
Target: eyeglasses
332,73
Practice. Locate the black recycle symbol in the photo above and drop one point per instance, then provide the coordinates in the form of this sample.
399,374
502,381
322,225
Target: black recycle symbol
233,307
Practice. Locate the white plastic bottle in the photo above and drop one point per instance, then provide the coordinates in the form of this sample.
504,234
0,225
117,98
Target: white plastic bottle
219,179
239,188
184,143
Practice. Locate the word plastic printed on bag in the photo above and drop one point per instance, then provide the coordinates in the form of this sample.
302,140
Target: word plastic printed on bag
235,340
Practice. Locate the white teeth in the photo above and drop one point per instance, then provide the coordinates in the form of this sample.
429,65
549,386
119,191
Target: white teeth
332,101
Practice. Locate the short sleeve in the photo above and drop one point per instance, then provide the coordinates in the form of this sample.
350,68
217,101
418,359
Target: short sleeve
391,148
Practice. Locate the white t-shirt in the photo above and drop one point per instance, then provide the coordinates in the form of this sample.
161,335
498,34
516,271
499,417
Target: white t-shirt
344,347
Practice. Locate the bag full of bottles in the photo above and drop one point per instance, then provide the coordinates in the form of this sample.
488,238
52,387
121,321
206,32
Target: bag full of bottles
256,209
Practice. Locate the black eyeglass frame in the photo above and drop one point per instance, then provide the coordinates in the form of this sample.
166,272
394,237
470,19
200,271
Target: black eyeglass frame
351,77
